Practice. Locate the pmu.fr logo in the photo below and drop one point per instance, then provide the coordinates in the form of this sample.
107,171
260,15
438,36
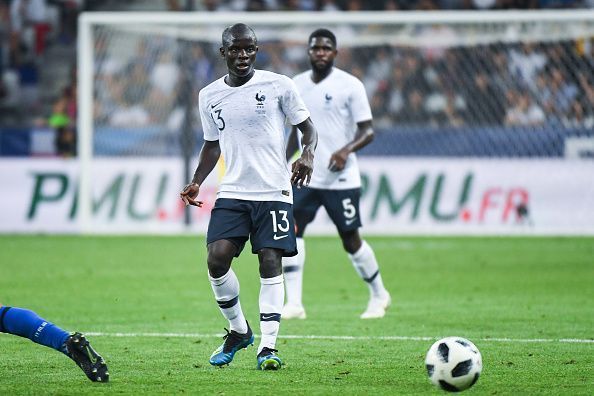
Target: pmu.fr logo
503,205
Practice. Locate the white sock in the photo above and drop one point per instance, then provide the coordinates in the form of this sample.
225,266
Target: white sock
293,271
226,291
272,295
366,266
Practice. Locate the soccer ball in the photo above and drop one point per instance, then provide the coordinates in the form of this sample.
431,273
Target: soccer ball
453,364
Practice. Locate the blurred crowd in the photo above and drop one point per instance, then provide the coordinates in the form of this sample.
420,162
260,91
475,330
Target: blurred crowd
371,5
27,29
547,83
494,84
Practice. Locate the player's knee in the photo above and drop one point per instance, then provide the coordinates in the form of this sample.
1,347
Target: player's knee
219,259
351,241
270,263
217,268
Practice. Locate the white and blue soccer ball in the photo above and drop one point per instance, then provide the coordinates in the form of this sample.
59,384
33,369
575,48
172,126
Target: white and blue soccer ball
453,364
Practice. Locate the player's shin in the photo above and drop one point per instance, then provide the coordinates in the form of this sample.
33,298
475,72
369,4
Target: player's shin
226,291
366,266
293,271
28,324
272,295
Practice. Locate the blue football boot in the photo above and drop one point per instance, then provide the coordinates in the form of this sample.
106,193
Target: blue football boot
267,360
234,341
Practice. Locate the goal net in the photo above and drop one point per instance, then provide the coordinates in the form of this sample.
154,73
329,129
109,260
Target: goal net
479,116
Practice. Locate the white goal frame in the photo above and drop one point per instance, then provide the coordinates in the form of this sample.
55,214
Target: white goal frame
88,20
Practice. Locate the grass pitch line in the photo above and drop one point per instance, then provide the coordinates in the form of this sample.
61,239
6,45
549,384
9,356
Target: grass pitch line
348,338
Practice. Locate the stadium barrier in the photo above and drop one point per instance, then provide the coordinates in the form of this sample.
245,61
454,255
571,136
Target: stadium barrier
400,196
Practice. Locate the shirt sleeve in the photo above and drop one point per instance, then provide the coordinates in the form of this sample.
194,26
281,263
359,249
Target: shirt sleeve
209,128
360,108
291,102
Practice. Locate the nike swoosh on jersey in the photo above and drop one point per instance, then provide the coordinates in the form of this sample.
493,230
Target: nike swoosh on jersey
276,237
350,221
215,105
268,317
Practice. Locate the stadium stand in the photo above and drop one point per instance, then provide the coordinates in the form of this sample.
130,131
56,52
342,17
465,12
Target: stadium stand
539,91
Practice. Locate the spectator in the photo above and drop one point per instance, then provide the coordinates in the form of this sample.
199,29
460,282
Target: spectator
138,88
395,93
524,112
202,67
328,5
29,22
165,74
9,85
129,115
414,112
484,102
564,91
65,141
28,73
484,4
452,113
525,63
59,117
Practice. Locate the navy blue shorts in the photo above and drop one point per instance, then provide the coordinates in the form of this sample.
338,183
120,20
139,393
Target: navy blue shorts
268,224
341,205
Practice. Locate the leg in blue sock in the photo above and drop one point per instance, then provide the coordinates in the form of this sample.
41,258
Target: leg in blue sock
28,324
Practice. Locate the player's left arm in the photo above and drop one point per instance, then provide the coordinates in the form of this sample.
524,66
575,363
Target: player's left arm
302,168
292,144
363,137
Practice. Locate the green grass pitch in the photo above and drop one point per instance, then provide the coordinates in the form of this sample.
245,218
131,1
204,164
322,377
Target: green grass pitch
518,299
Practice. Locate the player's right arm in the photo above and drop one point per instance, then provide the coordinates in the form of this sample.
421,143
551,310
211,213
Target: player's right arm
361,111
363,137
209,156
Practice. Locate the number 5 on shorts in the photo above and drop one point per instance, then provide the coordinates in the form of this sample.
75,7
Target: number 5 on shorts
349,208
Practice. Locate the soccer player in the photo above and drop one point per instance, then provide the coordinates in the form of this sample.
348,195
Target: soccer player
243,116
339,107
27,324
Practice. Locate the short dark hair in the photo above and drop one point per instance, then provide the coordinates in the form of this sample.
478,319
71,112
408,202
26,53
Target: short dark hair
230,31
323,33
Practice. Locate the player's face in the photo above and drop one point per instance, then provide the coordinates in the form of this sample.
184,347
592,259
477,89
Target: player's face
321,53
240,55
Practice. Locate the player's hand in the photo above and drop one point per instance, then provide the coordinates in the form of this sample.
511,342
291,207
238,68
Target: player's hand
338,160
189,194
302,169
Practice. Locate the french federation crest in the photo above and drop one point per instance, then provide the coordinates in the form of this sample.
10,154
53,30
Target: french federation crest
327,101
260,98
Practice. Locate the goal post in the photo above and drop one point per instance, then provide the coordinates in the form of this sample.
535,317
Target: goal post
475,108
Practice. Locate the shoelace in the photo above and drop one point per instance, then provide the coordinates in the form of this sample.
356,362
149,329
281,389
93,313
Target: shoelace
269,350
231,338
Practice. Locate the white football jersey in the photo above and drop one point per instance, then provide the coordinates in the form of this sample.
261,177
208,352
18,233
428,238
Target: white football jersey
249,123
337,104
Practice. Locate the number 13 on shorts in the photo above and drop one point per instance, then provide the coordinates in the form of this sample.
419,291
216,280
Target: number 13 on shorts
281,224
